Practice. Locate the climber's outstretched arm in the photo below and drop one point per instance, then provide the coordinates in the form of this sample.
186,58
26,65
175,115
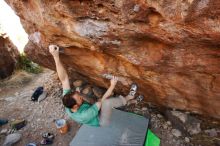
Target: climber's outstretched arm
108,93
61,71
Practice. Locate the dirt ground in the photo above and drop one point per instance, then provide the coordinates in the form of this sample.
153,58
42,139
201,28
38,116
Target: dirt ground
15,103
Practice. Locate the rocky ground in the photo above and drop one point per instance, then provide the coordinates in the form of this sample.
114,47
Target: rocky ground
174,128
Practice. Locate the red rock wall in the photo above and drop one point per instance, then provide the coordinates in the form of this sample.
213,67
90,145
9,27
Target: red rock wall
8,57
171,48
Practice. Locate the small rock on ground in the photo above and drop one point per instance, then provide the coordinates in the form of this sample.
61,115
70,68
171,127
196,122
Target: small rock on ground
176,132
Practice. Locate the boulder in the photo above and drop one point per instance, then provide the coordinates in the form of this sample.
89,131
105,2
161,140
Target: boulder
186,123
87,90
176,132
212,132
78,83
98,92
9,56
169,48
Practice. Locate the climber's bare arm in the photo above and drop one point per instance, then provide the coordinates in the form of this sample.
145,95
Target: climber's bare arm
108,93
61,71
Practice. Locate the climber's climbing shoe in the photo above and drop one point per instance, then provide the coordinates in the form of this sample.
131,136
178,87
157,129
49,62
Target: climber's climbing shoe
133,89
46,142
139,98
48,135
18,124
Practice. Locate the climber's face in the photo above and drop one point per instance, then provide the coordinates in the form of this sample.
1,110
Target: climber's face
78,98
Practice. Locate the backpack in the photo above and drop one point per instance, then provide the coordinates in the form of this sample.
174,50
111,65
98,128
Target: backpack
37,93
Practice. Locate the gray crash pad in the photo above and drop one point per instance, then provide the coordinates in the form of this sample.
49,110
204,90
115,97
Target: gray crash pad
125,129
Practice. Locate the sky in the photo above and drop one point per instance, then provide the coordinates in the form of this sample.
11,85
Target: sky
10,24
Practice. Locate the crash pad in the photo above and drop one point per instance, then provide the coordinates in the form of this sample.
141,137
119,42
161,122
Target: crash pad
125,129
152,139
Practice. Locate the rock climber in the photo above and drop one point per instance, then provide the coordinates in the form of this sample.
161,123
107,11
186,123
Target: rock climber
81,111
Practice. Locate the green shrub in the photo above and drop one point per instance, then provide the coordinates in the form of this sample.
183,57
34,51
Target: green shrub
27,65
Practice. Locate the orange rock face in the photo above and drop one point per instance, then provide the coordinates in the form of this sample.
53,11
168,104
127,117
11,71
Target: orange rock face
170,48
8,57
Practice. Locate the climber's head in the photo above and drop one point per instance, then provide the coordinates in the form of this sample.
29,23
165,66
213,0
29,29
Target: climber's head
73,100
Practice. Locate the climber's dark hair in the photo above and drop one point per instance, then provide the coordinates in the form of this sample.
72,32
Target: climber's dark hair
68,100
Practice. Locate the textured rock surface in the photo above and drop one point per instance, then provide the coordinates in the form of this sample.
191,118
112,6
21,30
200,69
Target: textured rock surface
170,48
8,57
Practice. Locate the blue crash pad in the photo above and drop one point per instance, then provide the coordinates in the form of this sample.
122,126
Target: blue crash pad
125,129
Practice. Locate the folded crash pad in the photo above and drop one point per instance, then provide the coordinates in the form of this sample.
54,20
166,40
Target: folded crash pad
152,139
125,129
